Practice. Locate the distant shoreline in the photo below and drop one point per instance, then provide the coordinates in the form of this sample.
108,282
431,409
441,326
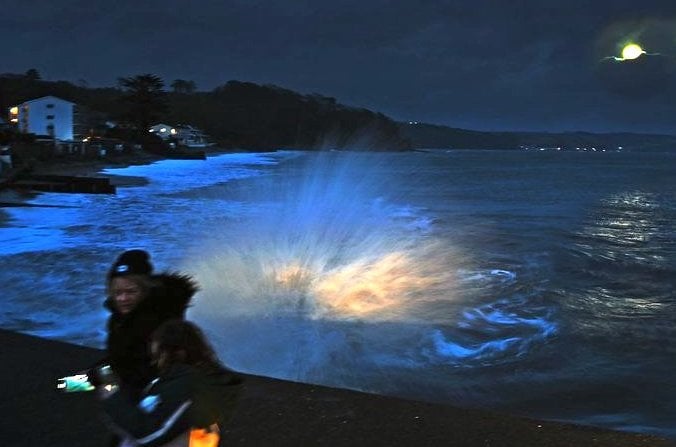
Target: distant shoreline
93,167
88,167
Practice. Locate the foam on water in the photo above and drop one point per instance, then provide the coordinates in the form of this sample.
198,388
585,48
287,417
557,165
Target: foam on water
56,250
170,176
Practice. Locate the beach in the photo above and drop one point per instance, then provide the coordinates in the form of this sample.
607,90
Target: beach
90,167
93,167
271,412
79,168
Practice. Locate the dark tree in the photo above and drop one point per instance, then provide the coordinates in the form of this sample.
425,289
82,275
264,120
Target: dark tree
33,75
145,99
183,86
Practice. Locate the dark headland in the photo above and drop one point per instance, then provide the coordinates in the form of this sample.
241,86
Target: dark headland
272,412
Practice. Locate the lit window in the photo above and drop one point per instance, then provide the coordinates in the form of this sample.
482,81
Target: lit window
14,110
163,129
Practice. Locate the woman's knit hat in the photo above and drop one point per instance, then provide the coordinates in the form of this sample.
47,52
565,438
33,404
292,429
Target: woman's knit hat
131,262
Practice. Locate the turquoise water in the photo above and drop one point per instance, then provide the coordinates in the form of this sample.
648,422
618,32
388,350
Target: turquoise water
540,283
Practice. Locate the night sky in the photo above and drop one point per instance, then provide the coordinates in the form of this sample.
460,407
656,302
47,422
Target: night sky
489,65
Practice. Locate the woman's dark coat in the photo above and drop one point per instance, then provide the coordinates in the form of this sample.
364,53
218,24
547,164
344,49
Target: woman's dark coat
128,351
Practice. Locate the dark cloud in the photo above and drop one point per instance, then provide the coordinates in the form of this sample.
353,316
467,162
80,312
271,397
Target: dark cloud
484,64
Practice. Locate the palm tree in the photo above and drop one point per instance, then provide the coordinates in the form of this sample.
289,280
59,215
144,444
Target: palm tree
145,97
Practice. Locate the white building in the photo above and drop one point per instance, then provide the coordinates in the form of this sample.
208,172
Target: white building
48,115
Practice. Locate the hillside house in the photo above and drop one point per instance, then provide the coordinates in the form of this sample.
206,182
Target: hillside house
182,135
48,115
190,136
163,131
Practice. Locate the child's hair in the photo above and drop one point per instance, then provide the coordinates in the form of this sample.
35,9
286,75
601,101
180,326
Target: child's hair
182,341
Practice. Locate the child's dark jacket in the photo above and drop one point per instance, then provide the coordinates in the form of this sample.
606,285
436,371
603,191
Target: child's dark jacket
181,399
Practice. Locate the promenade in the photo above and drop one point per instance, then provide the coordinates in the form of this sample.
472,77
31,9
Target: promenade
272,413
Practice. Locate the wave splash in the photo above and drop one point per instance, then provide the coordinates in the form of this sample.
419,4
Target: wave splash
336,277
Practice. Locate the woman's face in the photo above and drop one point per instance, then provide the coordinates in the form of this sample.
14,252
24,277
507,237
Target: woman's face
126,294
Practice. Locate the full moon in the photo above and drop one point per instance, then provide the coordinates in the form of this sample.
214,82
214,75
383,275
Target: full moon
631,51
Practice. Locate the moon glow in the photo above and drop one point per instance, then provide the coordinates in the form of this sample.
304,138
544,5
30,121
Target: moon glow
632,51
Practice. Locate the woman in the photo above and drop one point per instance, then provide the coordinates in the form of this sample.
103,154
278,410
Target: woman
140,302
192,397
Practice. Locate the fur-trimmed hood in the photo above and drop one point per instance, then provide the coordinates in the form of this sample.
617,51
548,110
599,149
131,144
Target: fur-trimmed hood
129,334
171,293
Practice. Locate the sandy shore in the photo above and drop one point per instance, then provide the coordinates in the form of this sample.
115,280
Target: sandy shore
93,167
272,412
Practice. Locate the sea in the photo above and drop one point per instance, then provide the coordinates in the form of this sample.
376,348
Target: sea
538,283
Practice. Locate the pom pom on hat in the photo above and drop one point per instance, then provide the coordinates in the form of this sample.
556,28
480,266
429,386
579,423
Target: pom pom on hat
131,262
